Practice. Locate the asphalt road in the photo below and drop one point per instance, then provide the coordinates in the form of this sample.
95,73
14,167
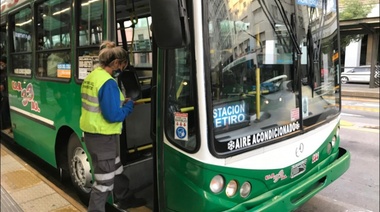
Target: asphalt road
358,189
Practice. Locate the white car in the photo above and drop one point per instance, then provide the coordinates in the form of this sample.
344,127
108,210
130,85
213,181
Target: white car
358,74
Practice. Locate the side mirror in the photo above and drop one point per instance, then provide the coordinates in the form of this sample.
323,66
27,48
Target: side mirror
170,24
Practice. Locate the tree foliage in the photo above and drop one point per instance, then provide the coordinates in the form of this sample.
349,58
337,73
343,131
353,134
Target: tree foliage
354,9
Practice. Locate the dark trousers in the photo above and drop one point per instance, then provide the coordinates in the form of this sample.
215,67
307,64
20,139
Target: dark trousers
107,169
5,114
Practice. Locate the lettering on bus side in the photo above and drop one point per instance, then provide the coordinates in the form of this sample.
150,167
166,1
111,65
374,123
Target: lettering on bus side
27,95
261,137
8,4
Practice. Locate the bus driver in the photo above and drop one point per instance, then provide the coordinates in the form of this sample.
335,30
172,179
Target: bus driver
104,108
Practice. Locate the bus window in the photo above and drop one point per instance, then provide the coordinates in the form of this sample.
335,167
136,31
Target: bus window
180,124
255,86
138,37
53,49
90,36
21,29
3,41
90,28
54,64
135,36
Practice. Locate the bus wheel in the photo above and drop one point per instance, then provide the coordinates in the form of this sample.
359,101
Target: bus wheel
80,169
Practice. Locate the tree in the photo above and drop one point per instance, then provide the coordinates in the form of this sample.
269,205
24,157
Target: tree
354,9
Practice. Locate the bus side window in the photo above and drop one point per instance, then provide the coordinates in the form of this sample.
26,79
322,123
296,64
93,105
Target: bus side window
90,26
53,48
180,121
41,64
21,59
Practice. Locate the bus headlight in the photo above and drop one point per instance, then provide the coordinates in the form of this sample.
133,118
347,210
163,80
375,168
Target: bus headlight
337,132
333,142
329,148
245,189
216,184
231,188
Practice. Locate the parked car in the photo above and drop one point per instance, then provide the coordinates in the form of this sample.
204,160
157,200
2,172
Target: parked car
358,74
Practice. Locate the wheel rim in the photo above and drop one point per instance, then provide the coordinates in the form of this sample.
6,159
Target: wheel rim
344,79
81,171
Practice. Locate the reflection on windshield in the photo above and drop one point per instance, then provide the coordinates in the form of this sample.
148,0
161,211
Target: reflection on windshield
273,69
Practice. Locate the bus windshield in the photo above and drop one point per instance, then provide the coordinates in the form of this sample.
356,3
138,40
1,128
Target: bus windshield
273,70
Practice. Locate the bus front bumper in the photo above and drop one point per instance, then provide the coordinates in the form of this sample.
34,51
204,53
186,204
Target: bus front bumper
294,197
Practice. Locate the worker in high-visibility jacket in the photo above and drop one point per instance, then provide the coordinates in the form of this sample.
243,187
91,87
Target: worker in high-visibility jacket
104,108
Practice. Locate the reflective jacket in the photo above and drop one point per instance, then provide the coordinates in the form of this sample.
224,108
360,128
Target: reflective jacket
92,120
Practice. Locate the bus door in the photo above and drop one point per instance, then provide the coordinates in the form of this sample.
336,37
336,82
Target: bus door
5,112
136,144
154,163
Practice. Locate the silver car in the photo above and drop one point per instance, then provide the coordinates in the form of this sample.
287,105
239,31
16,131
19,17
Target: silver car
358,74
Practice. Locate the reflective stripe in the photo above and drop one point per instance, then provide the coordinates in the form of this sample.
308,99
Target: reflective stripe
91,119
90,98
103,188
119,170
109,176
103,177
90,108
118,164
117,160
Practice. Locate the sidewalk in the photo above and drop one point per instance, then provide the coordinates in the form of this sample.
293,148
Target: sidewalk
23,189
360,92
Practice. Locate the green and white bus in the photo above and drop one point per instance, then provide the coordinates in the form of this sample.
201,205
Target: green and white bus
268,143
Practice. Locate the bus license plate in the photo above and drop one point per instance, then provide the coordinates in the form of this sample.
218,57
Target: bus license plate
298,169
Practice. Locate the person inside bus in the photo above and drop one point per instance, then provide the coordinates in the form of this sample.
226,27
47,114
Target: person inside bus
54,59
104,109
5,113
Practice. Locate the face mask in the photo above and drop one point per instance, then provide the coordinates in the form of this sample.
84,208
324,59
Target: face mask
116,73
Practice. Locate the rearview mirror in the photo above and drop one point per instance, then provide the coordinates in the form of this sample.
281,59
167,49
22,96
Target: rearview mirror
170,25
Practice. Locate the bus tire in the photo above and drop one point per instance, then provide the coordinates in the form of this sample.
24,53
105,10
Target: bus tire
79,169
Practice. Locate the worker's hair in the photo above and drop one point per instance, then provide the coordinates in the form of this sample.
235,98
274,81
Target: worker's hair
109,52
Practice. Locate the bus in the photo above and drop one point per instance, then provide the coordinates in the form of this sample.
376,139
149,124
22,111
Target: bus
269,142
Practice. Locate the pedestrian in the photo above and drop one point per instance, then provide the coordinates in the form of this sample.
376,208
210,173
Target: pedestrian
104,109
5,112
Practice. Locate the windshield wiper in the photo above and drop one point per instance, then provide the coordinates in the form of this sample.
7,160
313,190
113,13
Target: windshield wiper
272,24
288,26
314,47
320,31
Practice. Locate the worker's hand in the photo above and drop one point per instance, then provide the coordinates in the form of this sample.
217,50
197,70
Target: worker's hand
127,100
1,87
128,103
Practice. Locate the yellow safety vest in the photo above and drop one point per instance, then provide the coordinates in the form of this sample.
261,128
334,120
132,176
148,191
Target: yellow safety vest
92,120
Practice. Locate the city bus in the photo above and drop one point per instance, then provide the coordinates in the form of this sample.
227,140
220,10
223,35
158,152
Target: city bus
268,143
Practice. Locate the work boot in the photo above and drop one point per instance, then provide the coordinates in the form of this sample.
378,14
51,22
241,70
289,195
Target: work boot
131,202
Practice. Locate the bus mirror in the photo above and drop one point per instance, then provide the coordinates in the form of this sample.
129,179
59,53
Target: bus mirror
170,25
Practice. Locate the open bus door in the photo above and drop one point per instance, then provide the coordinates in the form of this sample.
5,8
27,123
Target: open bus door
137,141
139,145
